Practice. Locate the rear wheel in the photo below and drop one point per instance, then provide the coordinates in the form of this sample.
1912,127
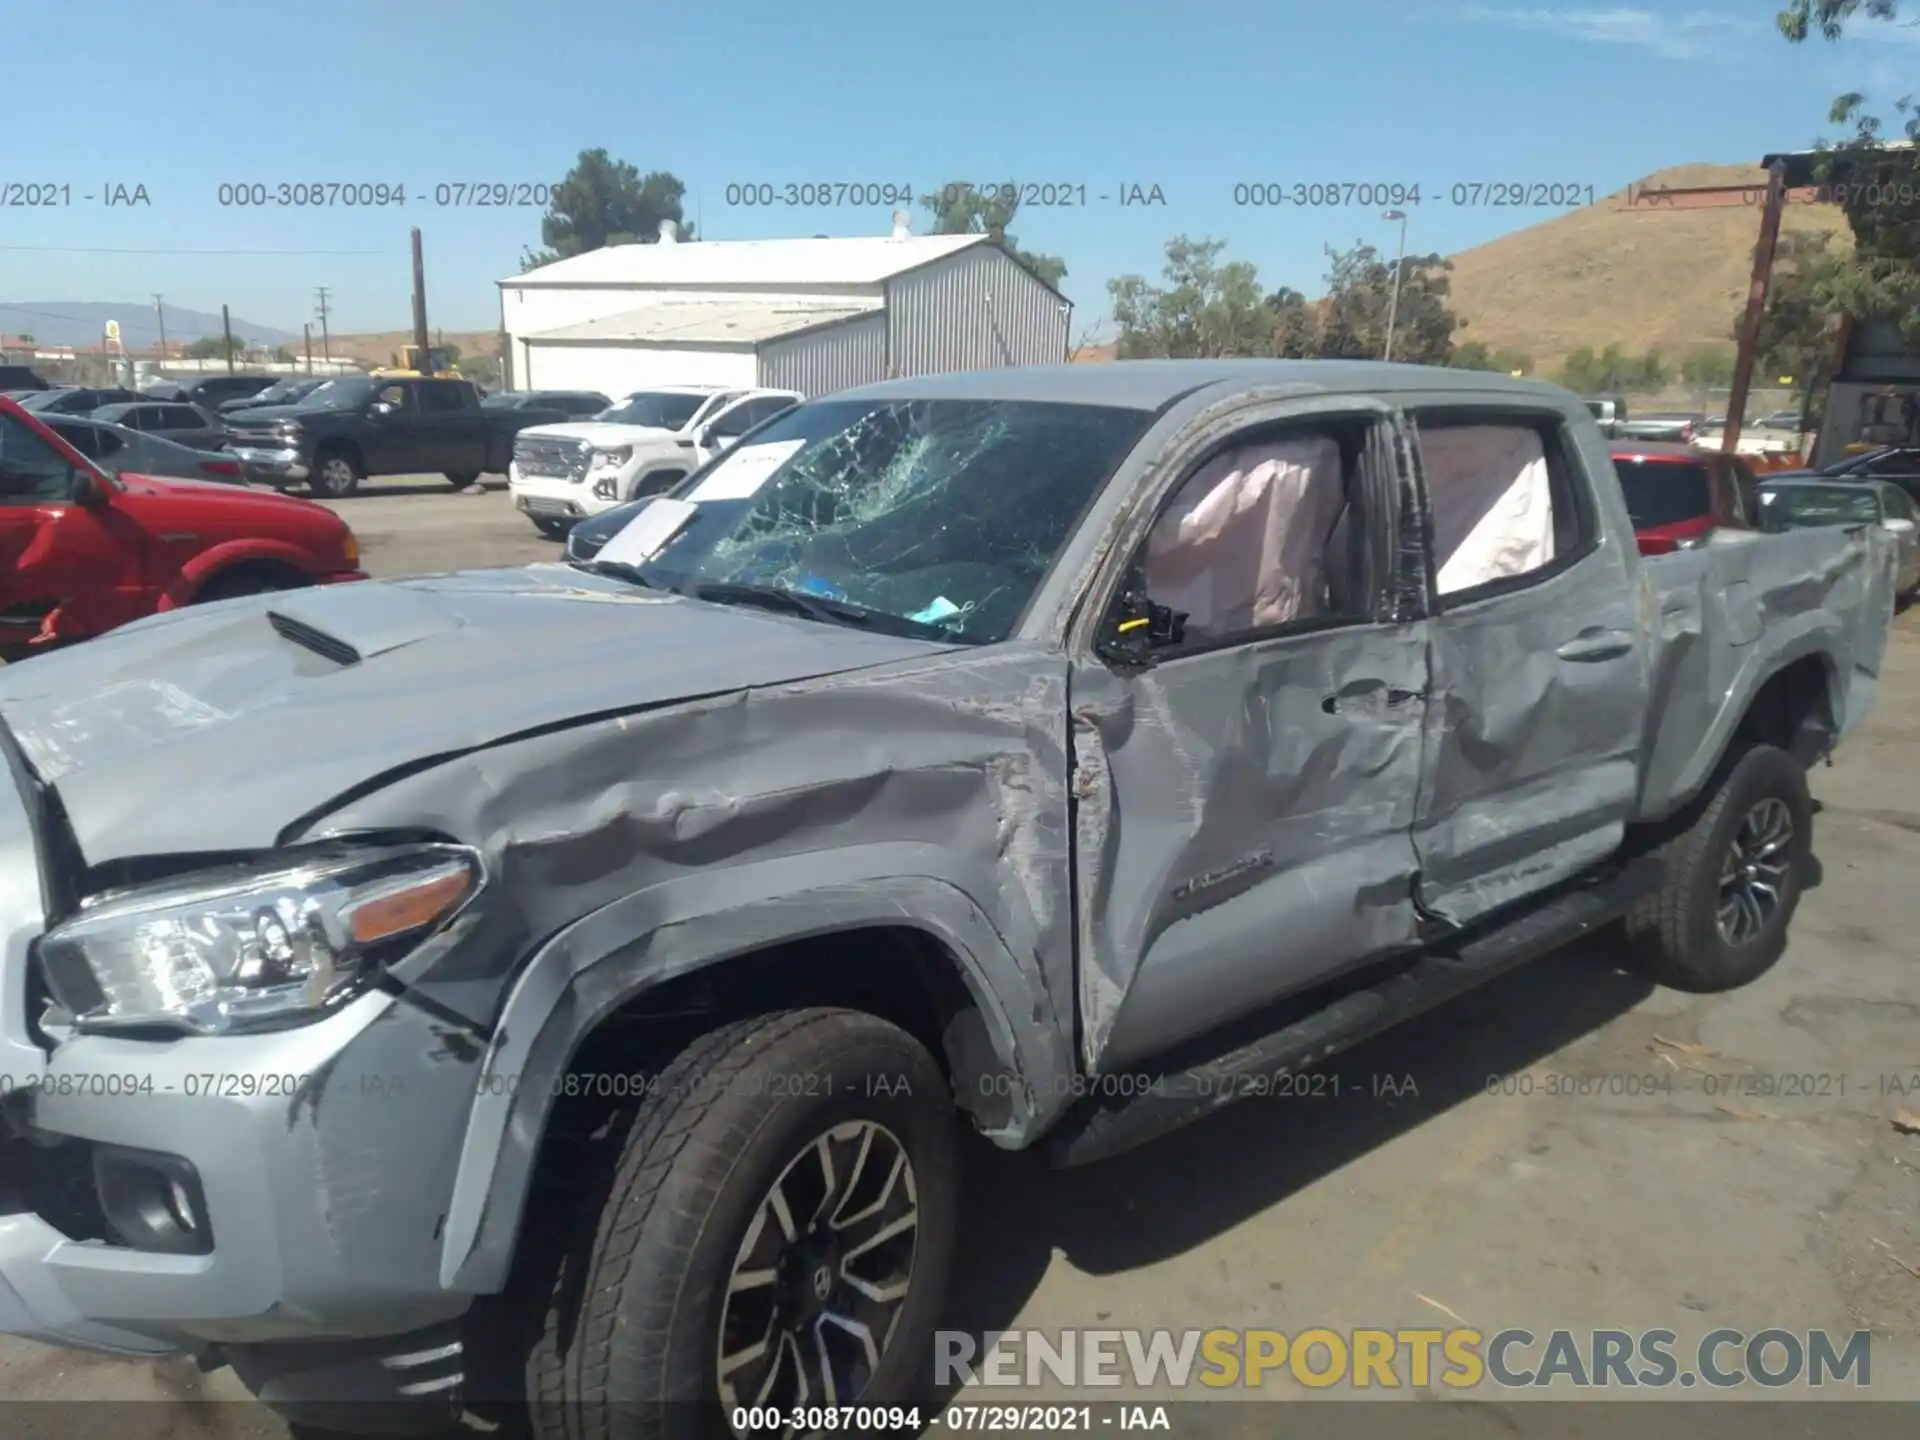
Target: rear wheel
777,1233
1734,878
335,473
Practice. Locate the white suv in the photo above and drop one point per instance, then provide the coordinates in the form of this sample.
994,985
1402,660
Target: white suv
639,446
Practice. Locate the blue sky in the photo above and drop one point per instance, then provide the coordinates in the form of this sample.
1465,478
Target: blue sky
1192,98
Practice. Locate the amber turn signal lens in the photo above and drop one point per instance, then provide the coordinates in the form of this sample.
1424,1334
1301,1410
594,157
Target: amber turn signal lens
410,909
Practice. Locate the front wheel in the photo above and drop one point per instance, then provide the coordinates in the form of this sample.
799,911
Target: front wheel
461,479
778,1233
335,473
1734,878
552,529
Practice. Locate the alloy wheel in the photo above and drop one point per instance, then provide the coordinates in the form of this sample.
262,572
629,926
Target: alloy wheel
1753,877
819,1282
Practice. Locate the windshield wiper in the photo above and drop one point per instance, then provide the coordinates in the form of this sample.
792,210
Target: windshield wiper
773,597
618,570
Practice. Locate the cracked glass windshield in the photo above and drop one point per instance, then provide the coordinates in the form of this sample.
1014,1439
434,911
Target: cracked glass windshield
921,516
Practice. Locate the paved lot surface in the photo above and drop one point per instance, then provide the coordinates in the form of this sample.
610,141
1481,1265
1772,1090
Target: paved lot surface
1734,1160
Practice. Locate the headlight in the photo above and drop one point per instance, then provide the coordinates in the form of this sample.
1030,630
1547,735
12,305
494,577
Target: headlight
610,459
270,943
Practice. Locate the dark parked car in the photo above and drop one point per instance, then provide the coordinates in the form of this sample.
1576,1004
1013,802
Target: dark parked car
352,428
1678,496
191,425
20,377
1896,464
118,450
557,406
76,399
281,392
213,390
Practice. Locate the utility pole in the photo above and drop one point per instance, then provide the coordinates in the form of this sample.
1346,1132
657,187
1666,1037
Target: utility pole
326,348
420,305
226,325
160,310
1748,354
308,329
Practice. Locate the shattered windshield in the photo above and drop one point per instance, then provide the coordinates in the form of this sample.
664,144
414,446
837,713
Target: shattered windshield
942,516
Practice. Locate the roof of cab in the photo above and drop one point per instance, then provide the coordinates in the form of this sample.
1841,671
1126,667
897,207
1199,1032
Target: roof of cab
1151,384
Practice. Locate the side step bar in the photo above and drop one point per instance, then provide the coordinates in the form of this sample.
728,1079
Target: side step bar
1452,967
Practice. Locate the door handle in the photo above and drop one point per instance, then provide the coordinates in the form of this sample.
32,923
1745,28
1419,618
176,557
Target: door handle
1596,644
1365,690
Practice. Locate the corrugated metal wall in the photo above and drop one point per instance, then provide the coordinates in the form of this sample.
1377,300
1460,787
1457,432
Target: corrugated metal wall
823,361
621,369
979,310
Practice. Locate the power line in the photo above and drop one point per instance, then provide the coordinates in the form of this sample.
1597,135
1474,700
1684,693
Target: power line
86,250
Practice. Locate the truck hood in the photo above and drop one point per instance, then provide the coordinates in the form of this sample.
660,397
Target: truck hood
602,433
260,417
217,728
229,503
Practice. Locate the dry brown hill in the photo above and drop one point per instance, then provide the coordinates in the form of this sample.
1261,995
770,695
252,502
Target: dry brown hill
378,347
1641,278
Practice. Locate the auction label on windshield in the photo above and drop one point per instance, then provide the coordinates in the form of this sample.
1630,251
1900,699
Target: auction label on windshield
740,474
647,533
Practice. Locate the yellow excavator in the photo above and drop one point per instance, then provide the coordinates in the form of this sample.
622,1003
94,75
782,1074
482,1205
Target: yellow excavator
406,365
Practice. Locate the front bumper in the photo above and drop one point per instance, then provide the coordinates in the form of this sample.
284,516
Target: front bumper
325,1158
266,464
556,497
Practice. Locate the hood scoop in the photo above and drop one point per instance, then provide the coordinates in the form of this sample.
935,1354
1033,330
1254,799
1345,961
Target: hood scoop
350,623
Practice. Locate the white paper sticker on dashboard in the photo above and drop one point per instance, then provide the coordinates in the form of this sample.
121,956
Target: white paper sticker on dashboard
644,536
742,472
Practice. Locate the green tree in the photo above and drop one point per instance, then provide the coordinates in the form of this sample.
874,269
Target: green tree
603,201
1612,371
453,353
209,347
1878,189
1296,329
1360,297
960,209
1204,309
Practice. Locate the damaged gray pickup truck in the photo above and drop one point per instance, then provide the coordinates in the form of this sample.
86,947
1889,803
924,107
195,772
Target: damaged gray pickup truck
565,984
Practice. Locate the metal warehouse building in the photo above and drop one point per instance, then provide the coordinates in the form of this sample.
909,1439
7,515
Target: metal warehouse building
807,315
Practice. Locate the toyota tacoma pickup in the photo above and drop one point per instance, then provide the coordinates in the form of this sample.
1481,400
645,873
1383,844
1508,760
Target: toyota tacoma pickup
1043,750
350,429
643,446
84,548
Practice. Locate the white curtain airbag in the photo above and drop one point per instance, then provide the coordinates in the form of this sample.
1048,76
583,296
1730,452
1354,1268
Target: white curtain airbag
1492,505
1245,542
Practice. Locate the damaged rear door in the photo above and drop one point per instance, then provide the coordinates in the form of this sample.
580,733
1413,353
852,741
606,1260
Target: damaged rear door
1541,663
1244,797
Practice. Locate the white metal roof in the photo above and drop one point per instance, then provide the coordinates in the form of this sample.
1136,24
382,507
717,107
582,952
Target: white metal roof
720,322
845,260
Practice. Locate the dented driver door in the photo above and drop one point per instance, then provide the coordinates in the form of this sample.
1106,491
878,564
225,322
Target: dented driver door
1243,801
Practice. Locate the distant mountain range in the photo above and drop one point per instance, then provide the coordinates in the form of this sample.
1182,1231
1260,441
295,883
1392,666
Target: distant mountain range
82,322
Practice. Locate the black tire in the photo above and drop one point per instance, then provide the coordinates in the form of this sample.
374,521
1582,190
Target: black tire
633,1335
552,529
235,583
1676,936
335,473
461,479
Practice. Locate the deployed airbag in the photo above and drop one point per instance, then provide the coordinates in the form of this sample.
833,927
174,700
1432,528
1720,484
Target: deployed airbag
1245,542
1492,503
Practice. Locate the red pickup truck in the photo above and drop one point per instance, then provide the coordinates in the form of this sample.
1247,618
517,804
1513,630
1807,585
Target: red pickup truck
82,552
